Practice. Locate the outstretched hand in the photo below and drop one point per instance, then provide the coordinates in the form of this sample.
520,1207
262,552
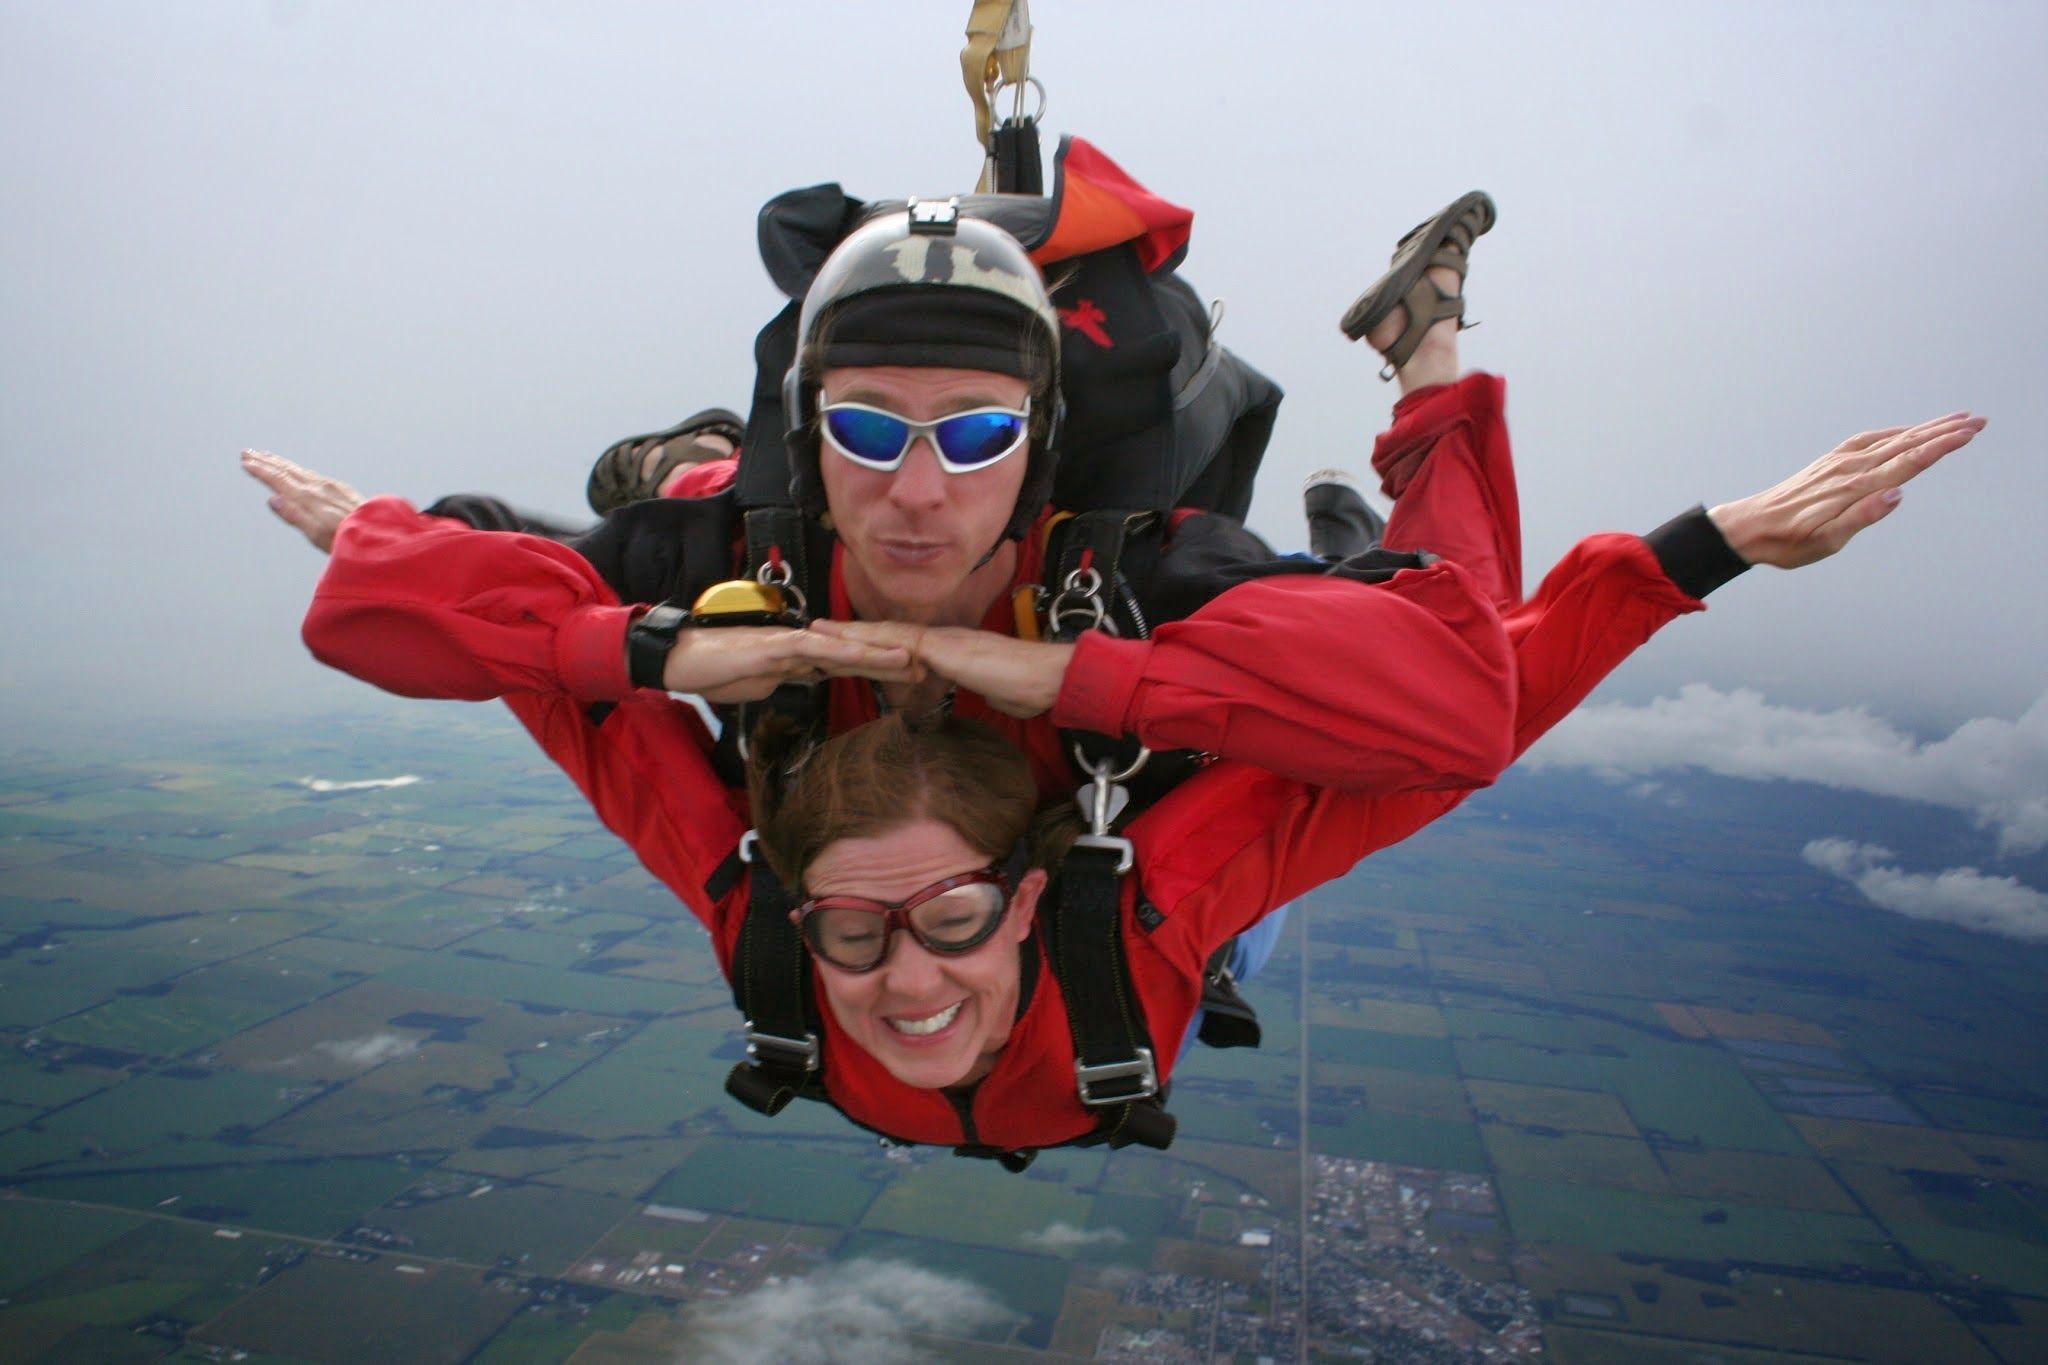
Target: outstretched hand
308,501
1857,484
1016,677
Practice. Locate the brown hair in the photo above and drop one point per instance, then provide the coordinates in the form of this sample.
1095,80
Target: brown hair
882,776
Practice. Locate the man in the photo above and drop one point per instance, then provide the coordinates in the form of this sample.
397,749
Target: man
923,394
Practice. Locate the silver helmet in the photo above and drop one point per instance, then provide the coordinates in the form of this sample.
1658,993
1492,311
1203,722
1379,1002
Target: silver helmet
923,284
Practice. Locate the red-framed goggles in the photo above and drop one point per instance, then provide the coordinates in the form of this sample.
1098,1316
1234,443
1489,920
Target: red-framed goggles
952,916
875,438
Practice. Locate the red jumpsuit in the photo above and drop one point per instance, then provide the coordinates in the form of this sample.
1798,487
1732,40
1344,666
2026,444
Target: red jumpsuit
439,610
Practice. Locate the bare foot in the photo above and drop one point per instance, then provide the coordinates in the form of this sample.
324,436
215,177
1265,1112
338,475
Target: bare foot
706,445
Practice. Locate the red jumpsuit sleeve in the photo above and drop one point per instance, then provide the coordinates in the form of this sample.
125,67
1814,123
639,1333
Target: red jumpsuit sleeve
1402,685
646,770
1224,848
427,607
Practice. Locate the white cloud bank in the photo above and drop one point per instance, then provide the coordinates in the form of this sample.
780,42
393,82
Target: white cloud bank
1961,895
1060,1238
861,1313
322,784
1995,770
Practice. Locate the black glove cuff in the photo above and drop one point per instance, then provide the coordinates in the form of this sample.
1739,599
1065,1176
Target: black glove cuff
648,641
1694,554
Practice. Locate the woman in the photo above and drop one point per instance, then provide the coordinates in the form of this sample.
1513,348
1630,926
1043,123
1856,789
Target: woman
955,1032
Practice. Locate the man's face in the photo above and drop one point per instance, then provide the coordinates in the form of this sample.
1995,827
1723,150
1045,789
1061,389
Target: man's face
914,535
931,1019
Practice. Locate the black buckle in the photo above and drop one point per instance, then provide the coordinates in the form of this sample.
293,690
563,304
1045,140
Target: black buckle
1139,1067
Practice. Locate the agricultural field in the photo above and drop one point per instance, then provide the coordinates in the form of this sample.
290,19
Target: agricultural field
434,1072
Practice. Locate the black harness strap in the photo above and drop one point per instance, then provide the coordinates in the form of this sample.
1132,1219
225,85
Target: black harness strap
1088,553
771,971
1114,1067
771,985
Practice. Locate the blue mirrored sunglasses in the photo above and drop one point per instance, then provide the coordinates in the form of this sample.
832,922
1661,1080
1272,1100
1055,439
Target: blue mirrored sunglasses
875,438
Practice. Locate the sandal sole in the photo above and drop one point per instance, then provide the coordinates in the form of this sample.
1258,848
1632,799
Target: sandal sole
1411,258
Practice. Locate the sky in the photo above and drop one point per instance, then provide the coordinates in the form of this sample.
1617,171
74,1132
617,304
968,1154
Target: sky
444,247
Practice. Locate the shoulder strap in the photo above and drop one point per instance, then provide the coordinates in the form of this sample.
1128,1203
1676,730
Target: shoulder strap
772,986
1114,1068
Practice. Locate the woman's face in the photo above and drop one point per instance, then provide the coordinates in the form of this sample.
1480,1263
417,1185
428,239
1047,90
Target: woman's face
931,1019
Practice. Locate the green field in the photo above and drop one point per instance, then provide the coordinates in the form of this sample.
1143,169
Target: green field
1585,1158
1013,1215
544,1229
1696,1229
38,1238
150,1110
1402,1052
519,984
1369,1135
325,1309
660,1075
163,1266
808,1183
310,1199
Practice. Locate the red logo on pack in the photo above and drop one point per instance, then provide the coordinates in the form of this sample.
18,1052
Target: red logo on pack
1085,318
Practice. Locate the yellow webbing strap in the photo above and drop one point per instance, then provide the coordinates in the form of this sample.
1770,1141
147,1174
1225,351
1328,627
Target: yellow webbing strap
998,52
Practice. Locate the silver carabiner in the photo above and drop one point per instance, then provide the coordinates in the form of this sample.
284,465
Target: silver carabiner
782,578
999,85
1080,595
1103,798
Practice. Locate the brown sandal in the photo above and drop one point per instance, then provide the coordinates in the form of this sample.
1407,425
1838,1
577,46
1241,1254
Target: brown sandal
618,477
1444,240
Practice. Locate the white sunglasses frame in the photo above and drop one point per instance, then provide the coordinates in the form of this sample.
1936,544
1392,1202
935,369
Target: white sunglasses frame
922,431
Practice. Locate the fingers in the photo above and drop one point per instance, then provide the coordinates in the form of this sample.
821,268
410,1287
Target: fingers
1863,440
266,469
282,476
1913,452
1858,517
1875,447
823,654
888,634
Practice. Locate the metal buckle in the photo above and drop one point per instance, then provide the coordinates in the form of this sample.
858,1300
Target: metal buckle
1139,1066
1079,599
1126,855
804,1049
796,608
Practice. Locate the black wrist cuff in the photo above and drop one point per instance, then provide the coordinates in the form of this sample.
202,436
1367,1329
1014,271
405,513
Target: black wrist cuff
648,641
1693,552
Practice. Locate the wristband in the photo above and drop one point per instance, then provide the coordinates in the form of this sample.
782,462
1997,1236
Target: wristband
739,602
648,641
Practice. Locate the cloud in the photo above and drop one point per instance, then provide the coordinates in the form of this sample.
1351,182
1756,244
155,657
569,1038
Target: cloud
863,1312
1994,770
322,784
1961,895
1064,1237
373,1050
